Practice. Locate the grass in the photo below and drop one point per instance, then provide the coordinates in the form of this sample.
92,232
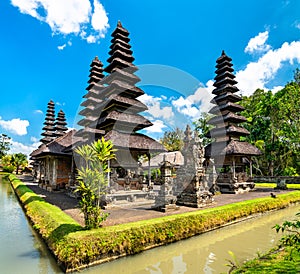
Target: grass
275,261
75,247
273,185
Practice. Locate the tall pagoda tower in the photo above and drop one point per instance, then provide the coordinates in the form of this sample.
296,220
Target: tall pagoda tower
92,99
60,124
230,154
119,118
49,129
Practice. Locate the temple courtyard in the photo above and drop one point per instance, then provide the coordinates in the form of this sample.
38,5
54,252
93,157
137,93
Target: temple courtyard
139,210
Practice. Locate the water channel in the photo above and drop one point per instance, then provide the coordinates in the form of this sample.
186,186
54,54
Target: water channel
21,250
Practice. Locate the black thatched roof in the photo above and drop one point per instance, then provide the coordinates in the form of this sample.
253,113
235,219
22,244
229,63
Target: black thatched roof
134,141
56,147
234,147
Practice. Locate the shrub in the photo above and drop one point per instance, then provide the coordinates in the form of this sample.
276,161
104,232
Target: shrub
8,169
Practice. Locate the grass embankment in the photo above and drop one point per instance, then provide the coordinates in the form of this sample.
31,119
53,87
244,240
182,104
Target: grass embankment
75,247
276,260
273,185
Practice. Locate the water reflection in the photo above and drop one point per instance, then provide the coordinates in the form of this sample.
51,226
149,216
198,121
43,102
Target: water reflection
21,250
207,253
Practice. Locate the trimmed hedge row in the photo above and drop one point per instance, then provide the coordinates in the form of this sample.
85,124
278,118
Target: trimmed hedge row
75,247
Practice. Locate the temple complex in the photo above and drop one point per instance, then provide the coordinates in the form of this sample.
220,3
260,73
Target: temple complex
229,153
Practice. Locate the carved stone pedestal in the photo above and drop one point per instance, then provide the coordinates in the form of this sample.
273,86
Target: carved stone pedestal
165,200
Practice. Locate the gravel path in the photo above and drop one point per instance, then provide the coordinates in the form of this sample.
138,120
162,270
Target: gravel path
127,213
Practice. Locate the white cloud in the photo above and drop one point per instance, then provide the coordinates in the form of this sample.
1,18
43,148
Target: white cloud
62,47
15,126
91,39
66,17
39,111
60,104
193,105
34,139
258,43
17,147
99,18
258,74
157,127
154,107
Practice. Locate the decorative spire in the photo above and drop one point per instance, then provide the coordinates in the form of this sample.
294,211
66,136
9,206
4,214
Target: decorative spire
49,130
60,124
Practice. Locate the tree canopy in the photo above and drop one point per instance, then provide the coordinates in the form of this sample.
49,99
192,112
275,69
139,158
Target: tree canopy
4,144
274,125
173,140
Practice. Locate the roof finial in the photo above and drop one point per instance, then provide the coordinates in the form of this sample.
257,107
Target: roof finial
223,52
119,24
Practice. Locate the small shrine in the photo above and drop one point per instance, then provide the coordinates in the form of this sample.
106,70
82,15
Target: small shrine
190,186
166,200
230,155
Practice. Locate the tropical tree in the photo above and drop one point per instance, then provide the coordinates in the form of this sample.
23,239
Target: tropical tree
4,144
19,160
274,125
92,179
203,127
173,140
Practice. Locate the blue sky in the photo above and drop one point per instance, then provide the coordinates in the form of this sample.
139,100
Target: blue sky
47,46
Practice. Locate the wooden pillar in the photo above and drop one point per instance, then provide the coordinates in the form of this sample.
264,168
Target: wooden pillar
233,166
149,170
251,175
108,173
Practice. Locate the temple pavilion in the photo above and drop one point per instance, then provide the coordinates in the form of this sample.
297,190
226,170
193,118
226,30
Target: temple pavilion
52,162
229,154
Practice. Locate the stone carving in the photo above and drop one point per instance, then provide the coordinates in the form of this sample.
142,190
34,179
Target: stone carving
191,186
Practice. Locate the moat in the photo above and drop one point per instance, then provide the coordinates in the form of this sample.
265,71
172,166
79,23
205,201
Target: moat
206,253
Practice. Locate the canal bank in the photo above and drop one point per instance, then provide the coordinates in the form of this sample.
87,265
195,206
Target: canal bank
75,248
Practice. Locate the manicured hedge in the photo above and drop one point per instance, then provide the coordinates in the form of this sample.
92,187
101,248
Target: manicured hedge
75,247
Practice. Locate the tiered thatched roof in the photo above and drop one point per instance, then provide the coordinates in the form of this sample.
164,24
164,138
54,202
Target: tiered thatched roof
227,130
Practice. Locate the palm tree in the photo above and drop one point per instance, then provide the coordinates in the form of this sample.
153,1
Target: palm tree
18,160
92,181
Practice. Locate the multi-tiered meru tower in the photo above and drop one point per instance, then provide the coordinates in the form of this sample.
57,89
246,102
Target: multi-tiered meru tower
49,129
230,154
115,109
93,98
60,124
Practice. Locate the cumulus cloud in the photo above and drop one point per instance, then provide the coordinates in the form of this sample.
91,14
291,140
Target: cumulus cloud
15,126
66,17
157,127
258,43
258,74
194,104
17,147
154,107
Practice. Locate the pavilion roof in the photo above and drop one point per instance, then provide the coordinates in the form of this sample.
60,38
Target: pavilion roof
233,147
